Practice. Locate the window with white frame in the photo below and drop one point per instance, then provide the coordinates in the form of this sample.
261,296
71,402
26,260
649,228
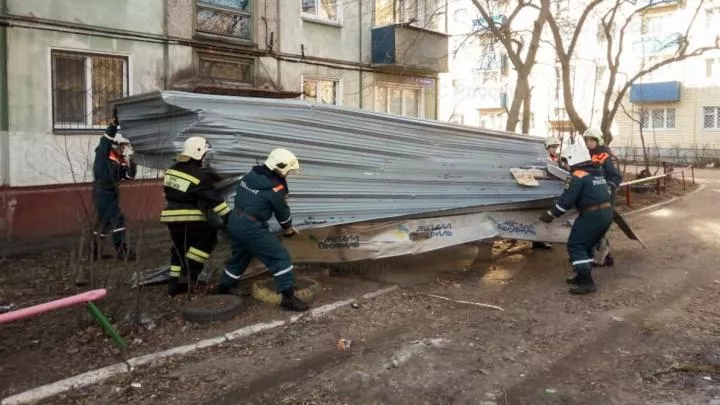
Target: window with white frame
395,11
399,100
321,9
711,117
657,118
231,18
317,90
82,85
712,68
492,119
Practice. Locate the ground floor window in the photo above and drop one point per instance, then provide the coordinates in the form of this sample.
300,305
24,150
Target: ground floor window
398,100
82,85
492,119
711,117
657,118
319,90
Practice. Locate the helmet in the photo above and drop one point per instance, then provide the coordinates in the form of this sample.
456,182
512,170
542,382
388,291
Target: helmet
551,141
282,161
594,133
575,152
195,147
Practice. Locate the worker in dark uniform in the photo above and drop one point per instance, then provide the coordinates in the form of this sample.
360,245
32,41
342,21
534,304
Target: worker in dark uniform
190,199
587,190
551,146
113,163
603,156
261,194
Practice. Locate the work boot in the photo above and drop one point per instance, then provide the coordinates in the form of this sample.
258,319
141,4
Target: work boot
572,280
584,284
222,289
541,245
124,253
292,303
175,287
609,260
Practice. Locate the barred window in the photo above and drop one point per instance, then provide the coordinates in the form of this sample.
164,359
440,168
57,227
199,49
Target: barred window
82,86
324,91
711,117
657,118
231,18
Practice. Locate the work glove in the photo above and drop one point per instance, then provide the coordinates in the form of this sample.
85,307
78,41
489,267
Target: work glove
290,232
128,152
547,217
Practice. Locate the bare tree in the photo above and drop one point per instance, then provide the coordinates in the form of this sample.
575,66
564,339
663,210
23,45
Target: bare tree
521,54
621,13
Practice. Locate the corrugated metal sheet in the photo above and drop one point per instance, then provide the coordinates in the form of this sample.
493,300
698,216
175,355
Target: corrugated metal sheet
356,165
662,92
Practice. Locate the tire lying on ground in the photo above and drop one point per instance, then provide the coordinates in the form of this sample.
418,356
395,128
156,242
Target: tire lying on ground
212,308
305,288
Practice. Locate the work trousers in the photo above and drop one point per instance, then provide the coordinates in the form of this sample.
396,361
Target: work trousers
602,249
587,230
109,217
251,238
192,244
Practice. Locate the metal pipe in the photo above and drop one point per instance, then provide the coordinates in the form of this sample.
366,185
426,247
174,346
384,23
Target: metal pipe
4,103
166,46
692,170
360,54
627,196
683,177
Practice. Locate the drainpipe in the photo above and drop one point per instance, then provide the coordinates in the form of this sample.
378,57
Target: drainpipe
4,107
276,47
166,46
360,54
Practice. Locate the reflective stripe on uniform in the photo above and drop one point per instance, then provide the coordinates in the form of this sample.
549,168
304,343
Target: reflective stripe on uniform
175,271
191,179
118,230
182,215
286,221
221,209
232,276
197,255
281,272
582,261
559,208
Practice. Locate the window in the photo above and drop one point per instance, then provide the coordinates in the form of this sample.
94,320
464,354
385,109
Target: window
711,117
82,85
492,119
220,69
323,91
231,18
405,101
657,118
405,11
321,9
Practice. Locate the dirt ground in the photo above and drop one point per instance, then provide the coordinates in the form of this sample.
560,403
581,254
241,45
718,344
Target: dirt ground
647,337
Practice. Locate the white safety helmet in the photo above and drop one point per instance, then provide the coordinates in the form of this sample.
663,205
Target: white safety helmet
282,162
575,152
121,140
551,141
594,133
195,147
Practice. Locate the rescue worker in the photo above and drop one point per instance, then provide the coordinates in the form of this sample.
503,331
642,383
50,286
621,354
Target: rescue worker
587,190
603,156
261,194
113,163
551,146
191,198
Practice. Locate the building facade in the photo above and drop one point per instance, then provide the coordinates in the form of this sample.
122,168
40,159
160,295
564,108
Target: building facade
63,62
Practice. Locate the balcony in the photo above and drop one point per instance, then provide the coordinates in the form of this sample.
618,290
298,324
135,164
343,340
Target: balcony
654,93
402,47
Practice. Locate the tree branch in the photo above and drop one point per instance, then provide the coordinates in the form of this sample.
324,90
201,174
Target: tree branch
500,35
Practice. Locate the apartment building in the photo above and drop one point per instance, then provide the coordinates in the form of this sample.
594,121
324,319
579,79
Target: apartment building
61,61
678,106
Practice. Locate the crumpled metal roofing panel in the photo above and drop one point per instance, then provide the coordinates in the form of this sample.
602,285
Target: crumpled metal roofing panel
356,165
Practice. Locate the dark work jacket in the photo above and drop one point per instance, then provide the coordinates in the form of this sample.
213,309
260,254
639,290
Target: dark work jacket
585,187
603,156
190,193
262,194
110,167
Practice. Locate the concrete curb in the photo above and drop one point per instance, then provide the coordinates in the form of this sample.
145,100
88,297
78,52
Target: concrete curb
152,359
700,188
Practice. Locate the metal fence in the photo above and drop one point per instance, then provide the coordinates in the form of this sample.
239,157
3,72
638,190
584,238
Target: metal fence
700,157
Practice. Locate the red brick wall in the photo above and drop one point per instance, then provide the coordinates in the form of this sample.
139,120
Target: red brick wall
38,212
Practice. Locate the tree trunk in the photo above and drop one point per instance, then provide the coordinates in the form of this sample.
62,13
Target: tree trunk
521,91
577,121
527,113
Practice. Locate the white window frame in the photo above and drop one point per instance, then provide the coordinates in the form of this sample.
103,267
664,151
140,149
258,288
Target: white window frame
716,118
399,86
316,17
318,79
88,54
649,125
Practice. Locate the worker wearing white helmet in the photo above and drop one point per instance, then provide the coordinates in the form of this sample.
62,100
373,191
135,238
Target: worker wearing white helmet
191,201
603,155
261,194
586,189
113,163
551,146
